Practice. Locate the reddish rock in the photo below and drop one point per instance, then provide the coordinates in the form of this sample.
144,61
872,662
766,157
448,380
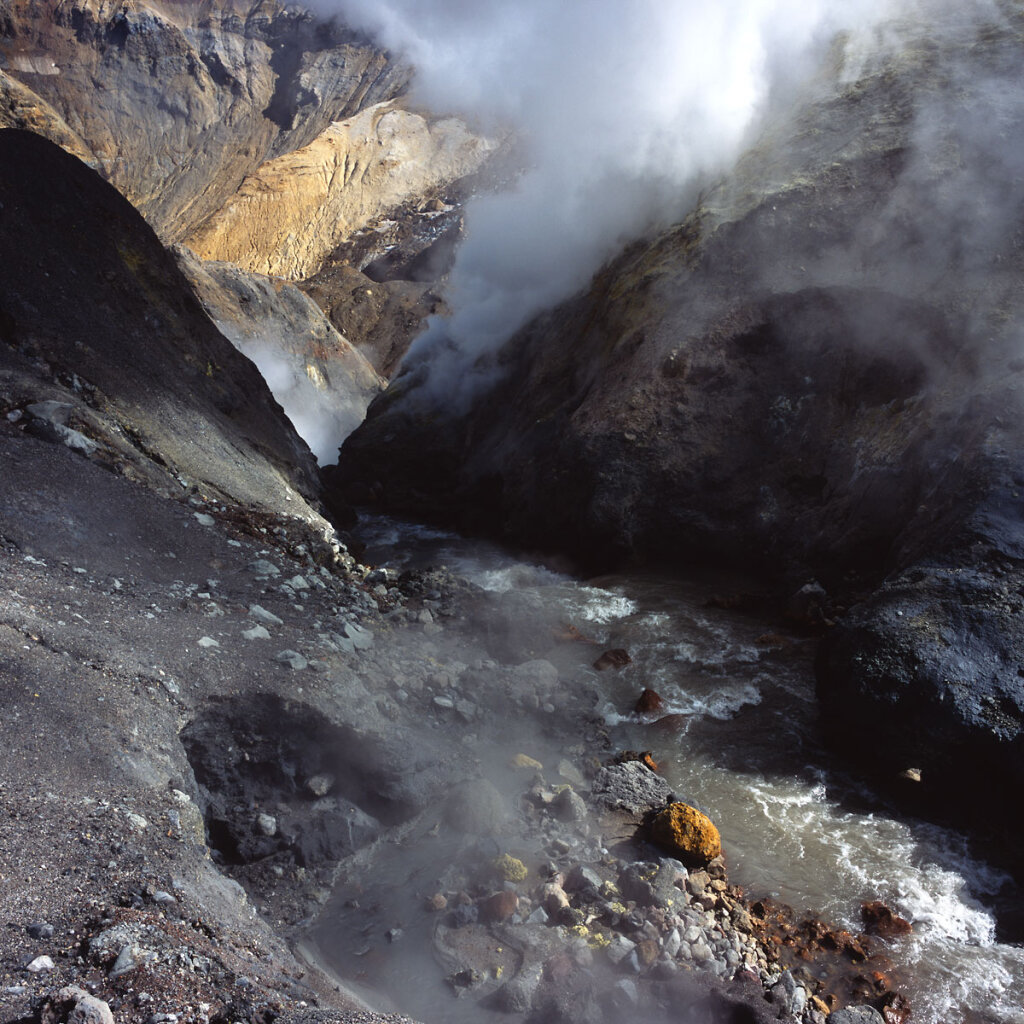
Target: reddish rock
647,952
881,921
617,658
649,703
896,1008
437,902
499,907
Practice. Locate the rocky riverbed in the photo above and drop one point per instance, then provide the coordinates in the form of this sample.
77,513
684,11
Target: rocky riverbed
218,723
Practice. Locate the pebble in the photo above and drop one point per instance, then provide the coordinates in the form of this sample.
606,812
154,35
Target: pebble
292,659
362,639
619,948
203,519
320,785
40,964
208,641
40,930
261,567
262,615
256,633
266,824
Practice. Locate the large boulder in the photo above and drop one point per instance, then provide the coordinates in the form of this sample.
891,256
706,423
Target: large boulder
687,834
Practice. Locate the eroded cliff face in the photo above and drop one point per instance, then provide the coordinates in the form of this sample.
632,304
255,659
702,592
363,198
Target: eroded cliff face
817,373
289,215
260,135
323,384
178,102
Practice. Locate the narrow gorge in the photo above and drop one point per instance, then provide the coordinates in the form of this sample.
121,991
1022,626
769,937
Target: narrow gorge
511,513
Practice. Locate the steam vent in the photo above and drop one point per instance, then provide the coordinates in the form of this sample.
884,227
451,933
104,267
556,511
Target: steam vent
511,512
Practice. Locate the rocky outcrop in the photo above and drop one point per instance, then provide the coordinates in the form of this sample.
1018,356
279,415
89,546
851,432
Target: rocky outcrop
323,384
294,211
22,108
178,102
101,335
815,374
280,148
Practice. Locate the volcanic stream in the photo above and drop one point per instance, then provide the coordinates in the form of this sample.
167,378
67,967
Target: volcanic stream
743,745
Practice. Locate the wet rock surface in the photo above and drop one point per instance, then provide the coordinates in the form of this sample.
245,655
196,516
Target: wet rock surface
754,388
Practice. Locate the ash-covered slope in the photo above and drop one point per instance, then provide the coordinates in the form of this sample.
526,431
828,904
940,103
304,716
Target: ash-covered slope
98,323
816,373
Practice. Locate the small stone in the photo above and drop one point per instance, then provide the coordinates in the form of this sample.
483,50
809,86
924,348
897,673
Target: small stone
568,771
261,567
208,641
256,633
554,898
298,583
617,658
701,951
631,786
362,639
568,805
76,1006
498,907
619,948
582,877
437,902
525,761
266,824
881,921
124,963
444,702
40,930
509,868
40,964
393,934
161,896
262,615
856,1015
203,519
320,785
649,702
647,952
137,822
292,659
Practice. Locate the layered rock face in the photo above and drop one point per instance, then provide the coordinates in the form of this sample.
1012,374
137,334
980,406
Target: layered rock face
814,374
192,96
295,210
258,134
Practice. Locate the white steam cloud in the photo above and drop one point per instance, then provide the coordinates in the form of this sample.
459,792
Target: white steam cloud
624,109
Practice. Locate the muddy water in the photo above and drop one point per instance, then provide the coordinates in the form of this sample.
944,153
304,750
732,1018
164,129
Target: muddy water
743,746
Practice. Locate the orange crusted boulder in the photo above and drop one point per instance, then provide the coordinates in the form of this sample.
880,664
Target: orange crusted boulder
687,834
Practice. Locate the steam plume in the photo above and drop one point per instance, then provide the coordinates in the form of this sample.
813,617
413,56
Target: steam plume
625,108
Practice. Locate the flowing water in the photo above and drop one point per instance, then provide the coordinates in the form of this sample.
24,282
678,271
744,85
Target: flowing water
743,746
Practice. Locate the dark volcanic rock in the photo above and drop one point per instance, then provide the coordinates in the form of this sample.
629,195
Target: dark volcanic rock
815,374
95,313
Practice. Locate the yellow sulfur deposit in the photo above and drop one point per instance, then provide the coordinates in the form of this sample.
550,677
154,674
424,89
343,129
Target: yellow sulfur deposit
510,869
